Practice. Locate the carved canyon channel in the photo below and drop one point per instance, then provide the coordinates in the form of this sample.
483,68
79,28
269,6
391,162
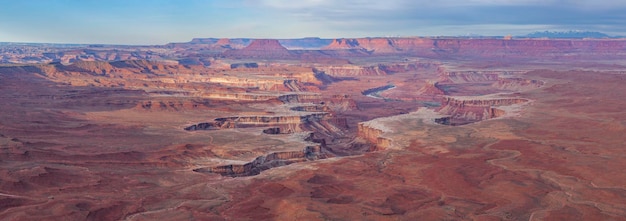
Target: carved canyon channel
441,128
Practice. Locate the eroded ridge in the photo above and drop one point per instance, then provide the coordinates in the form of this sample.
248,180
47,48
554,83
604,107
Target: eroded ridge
310,112
465,110
496,100
266,162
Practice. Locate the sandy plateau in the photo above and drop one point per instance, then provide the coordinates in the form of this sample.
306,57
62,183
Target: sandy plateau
359,129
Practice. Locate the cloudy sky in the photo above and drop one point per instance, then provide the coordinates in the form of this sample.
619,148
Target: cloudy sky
162,21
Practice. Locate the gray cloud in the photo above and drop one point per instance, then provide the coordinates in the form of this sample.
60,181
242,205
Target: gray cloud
404,15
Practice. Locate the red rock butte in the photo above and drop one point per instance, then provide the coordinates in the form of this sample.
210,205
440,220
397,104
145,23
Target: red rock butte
261,48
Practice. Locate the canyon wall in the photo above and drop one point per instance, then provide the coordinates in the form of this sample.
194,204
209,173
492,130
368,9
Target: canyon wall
485,47
431,88
260,48
468,102
510,83
292,122
351,70
199,51
473,109
267,162
374,135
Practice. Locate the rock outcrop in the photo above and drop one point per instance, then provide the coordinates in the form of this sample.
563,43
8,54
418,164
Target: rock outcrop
373,134
459,77
431,88
517,84
257,121
351,70
483,47
197,50
382,45
267,162
172,105
260,48
469,110
299,97
469,102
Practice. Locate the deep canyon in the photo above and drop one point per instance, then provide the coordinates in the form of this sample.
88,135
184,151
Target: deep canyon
315,129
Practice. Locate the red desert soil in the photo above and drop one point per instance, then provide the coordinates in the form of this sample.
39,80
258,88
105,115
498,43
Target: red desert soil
561,163
387,133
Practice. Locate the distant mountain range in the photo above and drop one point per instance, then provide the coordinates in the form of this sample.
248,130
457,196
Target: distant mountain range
567,34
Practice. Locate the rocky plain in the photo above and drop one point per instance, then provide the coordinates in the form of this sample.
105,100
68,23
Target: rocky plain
315,129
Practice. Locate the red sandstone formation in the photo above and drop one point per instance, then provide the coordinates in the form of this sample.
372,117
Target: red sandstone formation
517,83
266,48
485,48
469,110
96,140
373,135
382,45
344,44
431,88
492,48
223,41
351,70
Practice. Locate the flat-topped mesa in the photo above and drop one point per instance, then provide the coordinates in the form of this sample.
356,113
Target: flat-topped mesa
391,68
172,105
261,48
343,44
311,108
469,110
528,48
239,96
266,162
517,83
44,54
273,119
300,97
383,45
478,102
351,70
469,76
126,69
265,44
499,79
483,48
227,43
265,83
293,122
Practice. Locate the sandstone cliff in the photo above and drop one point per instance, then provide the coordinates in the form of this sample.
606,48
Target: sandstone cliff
468,102
485,48
260,48
517,83
267,162
473,109
293,122
374,134
382,45
351,70
431,88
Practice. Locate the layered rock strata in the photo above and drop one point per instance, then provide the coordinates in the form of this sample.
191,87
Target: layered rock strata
256,121
262,48
473,109
374,134
267,162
